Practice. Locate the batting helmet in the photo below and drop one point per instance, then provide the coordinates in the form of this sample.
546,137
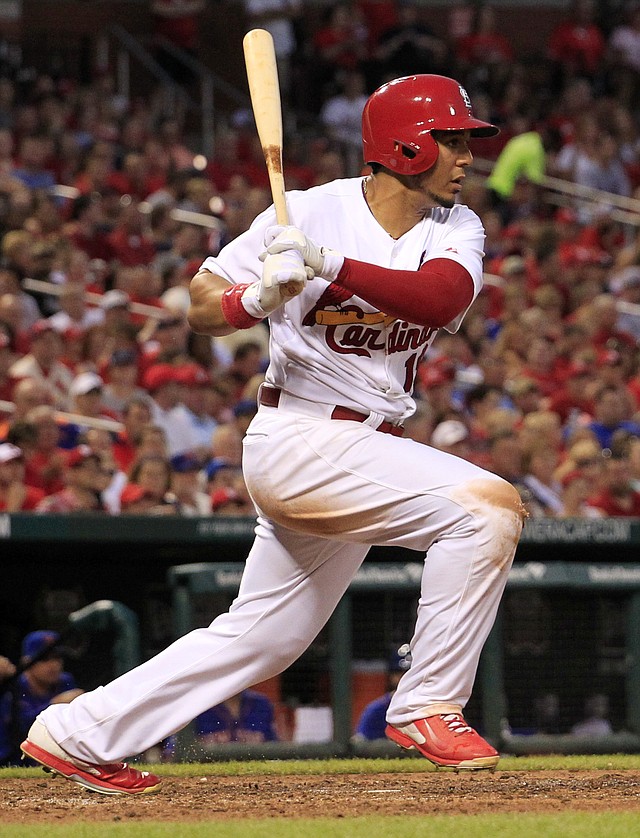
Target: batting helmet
398,119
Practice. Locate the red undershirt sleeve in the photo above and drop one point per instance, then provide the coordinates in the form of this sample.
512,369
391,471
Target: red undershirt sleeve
432,296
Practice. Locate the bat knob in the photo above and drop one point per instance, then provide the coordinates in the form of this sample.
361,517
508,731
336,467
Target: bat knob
292,289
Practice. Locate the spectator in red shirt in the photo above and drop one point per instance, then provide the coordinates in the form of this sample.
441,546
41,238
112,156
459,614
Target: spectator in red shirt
617,498
7,358
121,374
84,479
541,365
86,401
153,473
87,228
143,285
134,178
43,363
410,46
27,393
46,460
15,494
577,44
115,306
340,44
574,397
136,415
178,23
576,488
485,45
129,240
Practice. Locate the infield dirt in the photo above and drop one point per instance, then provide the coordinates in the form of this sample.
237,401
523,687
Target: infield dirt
53,800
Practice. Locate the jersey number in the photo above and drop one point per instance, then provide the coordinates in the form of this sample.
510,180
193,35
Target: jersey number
410,373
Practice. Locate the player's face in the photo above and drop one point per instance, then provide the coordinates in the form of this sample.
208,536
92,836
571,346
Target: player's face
443,181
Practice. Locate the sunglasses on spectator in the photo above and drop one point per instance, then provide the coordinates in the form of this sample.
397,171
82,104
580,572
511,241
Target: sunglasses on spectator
168,324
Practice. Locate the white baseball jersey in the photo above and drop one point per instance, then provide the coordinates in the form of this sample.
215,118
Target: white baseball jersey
333,347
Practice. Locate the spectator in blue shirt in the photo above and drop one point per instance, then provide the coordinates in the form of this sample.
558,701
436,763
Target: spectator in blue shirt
246,717
42,683
611,413
373,720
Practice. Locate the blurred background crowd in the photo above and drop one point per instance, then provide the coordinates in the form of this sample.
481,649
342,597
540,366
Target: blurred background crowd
108,206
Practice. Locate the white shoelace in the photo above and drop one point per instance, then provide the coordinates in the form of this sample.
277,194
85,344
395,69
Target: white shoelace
456,724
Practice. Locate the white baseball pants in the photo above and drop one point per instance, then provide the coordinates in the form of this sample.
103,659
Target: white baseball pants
327,491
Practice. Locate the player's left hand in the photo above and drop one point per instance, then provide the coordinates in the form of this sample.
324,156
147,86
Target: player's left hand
323,261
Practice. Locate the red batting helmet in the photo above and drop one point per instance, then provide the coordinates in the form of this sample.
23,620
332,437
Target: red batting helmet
398,119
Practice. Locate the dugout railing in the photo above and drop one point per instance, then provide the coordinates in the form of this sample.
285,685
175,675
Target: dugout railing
575,578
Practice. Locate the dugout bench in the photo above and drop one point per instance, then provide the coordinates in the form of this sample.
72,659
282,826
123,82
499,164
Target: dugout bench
190,580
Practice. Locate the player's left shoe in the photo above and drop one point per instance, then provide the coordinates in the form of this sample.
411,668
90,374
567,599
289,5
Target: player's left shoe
447,741
118,778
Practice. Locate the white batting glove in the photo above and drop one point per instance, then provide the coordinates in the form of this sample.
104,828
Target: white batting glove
323,261
284,276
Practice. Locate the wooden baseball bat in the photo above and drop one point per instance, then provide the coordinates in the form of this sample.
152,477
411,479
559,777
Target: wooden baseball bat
262,75
264,88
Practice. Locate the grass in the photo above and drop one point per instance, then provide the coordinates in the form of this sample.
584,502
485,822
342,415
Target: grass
564,825
560,762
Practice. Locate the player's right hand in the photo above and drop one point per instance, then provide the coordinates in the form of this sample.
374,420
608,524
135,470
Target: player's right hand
284,275
281,269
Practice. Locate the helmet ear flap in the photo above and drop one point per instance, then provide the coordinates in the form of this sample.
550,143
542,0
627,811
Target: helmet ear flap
409,158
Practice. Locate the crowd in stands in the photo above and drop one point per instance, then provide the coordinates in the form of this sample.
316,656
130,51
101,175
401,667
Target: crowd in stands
110,404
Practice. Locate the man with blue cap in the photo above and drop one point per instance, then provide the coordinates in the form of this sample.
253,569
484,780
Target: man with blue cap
39,681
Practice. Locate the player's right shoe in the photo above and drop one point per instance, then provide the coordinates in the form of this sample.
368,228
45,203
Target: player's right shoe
447,741
118,778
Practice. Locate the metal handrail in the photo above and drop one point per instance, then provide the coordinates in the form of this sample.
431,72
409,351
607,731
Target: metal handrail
132,46
210,82
619,207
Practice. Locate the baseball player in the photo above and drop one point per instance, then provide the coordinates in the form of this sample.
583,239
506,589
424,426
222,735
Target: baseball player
355,291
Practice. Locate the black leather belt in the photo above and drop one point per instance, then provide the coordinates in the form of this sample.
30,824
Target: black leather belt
270,397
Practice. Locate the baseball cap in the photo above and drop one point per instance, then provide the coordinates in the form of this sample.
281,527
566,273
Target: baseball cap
85,383
177,297
449,432
578,368
216,465
132,493
73,333
627,278
114,299
513,265
185,462
571,476
609,358
245,407
37,641
221,497
158,375
435,374
193,375
77,456
41,327
123,358
520,385
9,452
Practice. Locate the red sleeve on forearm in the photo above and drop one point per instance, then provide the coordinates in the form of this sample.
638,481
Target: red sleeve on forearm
433,296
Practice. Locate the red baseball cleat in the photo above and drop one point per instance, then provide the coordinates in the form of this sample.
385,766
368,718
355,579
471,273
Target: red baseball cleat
446,740
118,778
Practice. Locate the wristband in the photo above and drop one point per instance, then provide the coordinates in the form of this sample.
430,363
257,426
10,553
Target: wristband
234,310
